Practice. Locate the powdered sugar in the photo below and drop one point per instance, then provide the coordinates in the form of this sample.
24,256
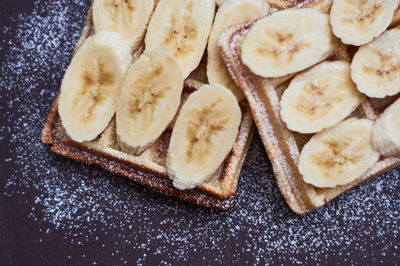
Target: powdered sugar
130,223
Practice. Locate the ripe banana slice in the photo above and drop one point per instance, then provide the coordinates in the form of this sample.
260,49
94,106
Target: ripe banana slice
91,85
358,22
150,98
386,132
339,155
183,27
231,12
320,98
287,42
376,66
203,136
127,17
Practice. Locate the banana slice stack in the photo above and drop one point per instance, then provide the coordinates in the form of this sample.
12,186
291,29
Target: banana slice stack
183,27
339,154
320,98
386,131
203,135
150,98
358,22
230,13
287,42
127,17
145,96
323,94
102,81
92,84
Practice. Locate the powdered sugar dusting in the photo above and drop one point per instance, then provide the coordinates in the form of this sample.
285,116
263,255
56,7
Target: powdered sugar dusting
130,223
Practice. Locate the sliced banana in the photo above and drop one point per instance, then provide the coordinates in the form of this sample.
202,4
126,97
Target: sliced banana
376,66
386,132
91,85
358,22
150,98
287,42
320,98
203,136
231,12
183,27
339,155
127,17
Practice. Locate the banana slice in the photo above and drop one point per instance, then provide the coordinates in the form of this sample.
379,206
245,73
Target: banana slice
150,98
386,132
288,41
230,13
183,27
91,85
203,136
320,98
339,155
376,66
127,17
358,22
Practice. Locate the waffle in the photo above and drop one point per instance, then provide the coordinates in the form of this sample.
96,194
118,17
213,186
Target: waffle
149,168
282,145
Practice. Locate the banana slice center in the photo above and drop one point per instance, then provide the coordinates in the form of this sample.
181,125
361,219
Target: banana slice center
389,68
206,123
280,46
94,90
146,102
183,29
337,155
145,99
320,103
121,11
364,12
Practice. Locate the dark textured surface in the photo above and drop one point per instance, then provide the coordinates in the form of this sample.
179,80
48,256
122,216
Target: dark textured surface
56,211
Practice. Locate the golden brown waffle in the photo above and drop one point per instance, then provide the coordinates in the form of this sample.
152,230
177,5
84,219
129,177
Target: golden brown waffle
149,168
283,146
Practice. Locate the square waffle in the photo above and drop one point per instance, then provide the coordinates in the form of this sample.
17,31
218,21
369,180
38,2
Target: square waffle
282,145
149,168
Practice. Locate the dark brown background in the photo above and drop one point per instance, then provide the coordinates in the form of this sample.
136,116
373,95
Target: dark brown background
56,211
